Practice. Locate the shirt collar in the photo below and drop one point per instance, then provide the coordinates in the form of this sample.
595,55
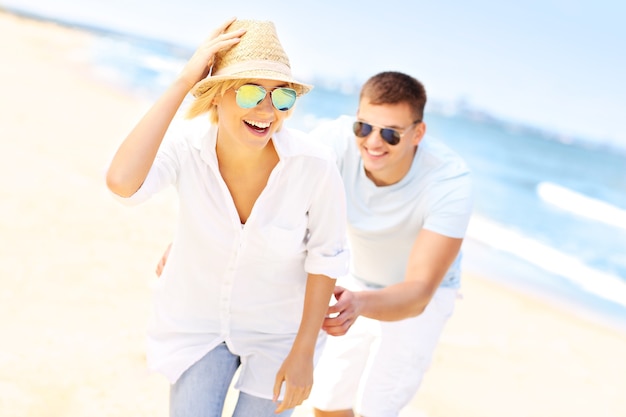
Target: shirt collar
205,139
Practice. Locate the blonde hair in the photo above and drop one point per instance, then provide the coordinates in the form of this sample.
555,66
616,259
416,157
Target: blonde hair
206,102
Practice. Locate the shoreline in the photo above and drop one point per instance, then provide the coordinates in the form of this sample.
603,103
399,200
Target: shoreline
77,268
478,261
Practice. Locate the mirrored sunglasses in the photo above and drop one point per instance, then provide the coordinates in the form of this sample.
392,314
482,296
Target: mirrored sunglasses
391,136
250,95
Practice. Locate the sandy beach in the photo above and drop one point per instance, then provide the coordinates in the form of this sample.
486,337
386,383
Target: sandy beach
76,270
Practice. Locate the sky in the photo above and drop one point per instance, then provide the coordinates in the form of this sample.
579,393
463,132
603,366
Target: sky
553,64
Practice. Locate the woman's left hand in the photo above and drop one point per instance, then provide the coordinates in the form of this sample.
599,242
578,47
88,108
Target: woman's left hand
297,374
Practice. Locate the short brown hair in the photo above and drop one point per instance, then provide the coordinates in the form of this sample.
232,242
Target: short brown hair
391,87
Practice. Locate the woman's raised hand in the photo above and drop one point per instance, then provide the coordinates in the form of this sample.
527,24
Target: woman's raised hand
198,66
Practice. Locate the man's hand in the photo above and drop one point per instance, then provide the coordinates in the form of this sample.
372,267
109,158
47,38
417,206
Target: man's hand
161,264
342,315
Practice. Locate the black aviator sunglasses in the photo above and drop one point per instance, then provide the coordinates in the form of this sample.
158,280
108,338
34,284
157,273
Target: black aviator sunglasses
391,136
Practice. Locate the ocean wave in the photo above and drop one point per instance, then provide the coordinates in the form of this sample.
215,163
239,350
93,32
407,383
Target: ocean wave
503,238
581,205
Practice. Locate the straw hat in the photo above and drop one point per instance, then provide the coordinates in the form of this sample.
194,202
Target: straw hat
259,54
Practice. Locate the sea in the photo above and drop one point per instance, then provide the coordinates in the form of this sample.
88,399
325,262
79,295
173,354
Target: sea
550,210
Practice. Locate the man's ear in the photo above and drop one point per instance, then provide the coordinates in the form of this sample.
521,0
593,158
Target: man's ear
419,132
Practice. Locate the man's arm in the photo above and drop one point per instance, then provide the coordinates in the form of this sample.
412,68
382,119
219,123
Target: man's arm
431,257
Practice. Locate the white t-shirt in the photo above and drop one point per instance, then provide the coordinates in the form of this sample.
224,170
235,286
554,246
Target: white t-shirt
383,222
242,284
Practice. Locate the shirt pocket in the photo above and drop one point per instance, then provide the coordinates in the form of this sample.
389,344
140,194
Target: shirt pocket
283,243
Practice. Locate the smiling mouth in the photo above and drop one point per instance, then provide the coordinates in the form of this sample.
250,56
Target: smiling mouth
258,126
374,153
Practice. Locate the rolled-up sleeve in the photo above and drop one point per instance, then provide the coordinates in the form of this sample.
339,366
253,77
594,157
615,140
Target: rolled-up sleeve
327,247
163,172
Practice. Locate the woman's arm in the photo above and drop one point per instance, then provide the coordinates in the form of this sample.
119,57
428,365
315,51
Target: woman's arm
135,156
297,369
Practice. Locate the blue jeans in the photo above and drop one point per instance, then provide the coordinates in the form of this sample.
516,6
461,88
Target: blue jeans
201,390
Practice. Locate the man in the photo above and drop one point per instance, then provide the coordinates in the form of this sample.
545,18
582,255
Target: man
409,202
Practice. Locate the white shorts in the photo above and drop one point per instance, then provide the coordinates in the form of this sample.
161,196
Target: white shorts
377,367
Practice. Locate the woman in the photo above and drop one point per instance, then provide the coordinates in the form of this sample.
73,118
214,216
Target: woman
261,231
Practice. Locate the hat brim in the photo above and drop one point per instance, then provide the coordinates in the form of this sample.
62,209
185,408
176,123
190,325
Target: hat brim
203,86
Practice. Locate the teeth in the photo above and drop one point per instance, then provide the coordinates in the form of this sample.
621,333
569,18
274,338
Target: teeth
374,153
260,125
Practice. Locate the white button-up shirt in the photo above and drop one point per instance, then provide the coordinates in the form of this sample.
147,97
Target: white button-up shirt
242,284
